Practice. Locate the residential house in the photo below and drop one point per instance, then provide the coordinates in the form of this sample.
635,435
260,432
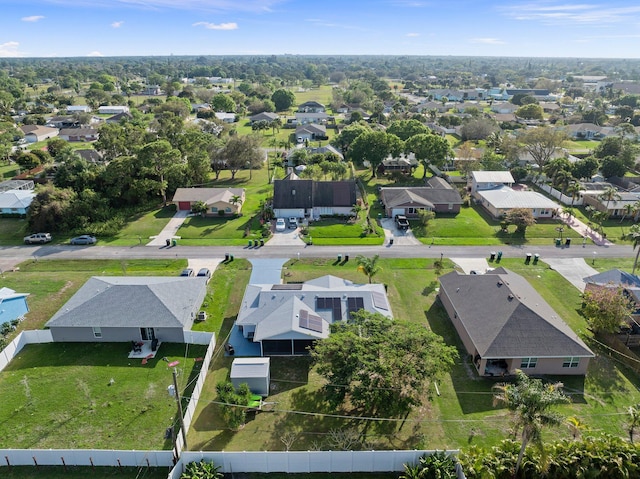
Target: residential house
588,131
90,155
36,133
311,107
219,201
503,107
311,132
404,162
65,121
498,201
324,150
79,134
506,325
439,197
119,117
16,185
152,90
225,117
78,109
12,305
303,118
16,202
616,207
486,180
449,94
264,116
287,319
429,106
113,109
312,199
130,308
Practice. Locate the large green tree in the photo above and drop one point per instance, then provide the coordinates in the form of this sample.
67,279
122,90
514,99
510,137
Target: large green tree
159,160
373,147
405,129
606,309
429,149
541,143
382,366
530,401
283,99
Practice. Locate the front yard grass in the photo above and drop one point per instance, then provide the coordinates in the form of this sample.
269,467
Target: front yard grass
141,227
463,412
90,395
342,231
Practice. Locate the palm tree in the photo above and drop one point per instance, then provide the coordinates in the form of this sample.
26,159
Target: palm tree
530,401
609,193
635,210
634,236
634,420
628,209
368,266
236,200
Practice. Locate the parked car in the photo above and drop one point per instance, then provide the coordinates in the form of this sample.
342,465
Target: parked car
293,223
280,224
187,272
204,273
402,222
201,316
83,239
38,238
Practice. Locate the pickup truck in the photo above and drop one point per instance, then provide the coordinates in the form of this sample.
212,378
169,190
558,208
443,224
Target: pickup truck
402,222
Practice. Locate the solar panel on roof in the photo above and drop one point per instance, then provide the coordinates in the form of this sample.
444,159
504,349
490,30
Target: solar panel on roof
285,287
379,301
354,304
310,321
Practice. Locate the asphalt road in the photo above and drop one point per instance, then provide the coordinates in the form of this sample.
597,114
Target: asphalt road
16,254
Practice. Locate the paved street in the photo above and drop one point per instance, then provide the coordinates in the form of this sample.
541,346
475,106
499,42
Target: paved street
16,254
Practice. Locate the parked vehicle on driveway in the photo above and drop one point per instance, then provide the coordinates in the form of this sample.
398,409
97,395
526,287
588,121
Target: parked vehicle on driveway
204,273
83,239
402,222
280,224
187,272
37,238
293,223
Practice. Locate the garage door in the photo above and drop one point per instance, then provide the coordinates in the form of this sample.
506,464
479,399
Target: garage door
184,205
397,211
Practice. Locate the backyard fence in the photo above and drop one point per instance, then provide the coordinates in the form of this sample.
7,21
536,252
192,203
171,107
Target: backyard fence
20,341
564,199
86,457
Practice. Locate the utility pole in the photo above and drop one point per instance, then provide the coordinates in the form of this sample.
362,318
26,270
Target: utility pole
179,401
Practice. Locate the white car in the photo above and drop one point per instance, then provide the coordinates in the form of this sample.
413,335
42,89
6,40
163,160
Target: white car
280,224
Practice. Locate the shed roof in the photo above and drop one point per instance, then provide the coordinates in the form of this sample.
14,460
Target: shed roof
250,368
492,177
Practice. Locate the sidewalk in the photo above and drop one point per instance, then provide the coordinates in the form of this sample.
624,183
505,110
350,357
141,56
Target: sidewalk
584,230
170,231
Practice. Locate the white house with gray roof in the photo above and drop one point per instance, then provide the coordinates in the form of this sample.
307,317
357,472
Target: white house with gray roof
506,325
500,200
130,308
287,319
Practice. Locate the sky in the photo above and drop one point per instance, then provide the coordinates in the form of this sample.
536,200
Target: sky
529,28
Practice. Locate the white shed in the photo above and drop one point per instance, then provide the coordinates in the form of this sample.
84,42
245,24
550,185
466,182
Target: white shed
253,371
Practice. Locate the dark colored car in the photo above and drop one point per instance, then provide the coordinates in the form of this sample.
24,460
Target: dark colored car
83,239
402,222
204,273
187,272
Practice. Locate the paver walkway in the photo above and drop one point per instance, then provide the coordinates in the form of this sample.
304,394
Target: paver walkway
584,230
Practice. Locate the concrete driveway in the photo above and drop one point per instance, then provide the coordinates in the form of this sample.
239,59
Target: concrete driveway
572,269
467,265
399,237
198,263
170,230
288,237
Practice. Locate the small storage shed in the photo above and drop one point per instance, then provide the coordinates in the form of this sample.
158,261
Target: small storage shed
254,372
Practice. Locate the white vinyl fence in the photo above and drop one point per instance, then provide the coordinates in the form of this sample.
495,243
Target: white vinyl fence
20,341
85,457
564,199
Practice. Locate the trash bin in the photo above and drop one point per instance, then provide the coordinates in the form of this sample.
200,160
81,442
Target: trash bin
567,242
310,240
528,259
226,256
339,257
168,241
230,257
499,255
174,242
391,240
261,242
536,257
346,258
250,243
492,256
379,216
558,242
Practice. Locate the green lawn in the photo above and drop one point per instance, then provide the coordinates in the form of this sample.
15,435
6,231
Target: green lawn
9,171
90,395
339,231
463,412
12,231
613,228
141,227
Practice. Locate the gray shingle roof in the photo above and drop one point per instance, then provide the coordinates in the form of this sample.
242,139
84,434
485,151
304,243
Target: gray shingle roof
309,193
422,196
133,301
505,317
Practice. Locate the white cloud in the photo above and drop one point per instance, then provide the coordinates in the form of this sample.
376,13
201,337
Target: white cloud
584,13
95,54
10,49
217,26
323,23
412,35
32,18
117,24
487,41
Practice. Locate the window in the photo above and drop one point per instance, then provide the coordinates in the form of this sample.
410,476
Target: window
571,362
214,209
528,363
97,332
227,209
450,206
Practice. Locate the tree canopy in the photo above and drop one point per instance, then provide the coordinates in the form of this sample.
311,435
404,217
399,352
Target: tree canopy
382,366
374,146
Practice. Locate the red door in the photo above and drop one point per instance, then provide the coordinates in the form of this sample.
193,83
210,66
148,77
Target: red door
184,205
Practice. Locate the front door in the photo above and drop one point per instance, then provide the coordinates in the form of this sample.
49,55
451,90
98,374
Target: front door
147,334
